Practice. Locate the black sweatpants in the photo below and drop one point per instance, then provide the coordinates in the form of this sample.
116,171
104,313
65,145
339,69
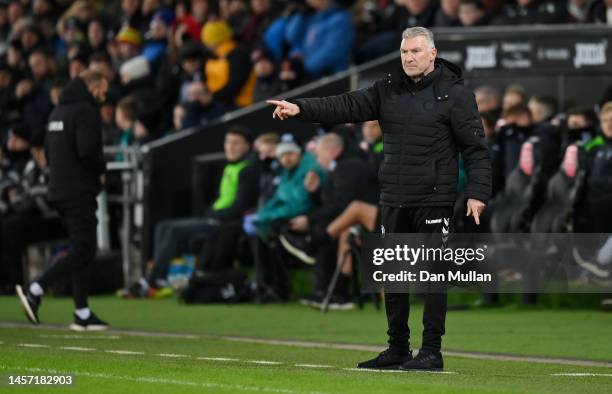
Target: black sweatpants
79,218
397,305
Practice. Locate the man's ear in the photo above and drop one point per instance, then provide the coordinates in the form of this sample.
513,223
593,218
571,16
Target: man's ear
434,52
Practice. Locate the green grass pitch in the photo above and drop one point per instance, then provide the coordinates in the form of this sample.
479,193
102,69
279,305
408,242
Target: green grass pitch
161,347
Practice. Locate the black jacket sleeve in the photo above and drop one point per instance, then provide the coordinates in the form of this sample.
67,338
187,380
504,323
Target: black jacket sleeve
469,135
88,136
246,198
352,107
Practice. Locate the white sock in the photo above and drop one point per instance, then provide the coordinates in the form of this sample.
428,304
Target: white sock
36,289
83,313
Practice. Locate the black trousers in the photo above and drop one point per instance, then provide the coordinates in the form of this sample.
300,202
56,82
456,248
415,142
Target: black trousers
79,218
397,305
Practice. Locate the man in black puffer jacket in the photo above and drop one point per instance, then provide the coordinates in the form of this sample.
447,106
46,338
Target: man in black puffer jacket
427,117
73,148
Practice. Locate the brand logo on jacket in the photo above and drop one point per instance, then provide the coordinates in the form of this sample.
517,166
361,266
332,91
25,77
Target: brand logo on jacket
56,125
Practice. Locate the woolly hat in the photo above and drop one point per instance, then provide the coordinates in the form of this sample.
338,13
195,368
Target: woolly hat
214,33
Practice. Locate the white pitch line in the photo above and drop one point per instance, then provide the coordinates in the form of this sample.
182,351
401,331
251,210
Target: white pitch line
80,336
125,352
398,371
33,345
263,362
162,381
312,366
172,355
609,375
217,359
77,348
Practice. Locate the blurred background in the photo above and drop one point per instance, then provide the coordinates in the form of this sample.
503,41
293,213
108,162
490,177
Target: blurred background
203,186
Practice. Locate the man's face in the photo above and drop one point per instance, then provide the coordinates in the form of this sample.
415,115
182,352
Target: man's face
511,99
371,131
290,160
99,90
606,123
416,7
486,102
417,56
326,153
95,33
38,65
190,66
235,146
469,14
576,121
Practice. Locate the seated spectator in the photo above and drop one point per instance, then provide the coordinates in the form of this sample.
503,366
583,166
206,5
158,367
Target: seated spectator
265,146
406,13
372,142
228,73
125,119
200,106
578,11
448,14
290,198
348,179
237,194
488,101
261,15
513,95
30,218
128,44
599,12
542,108
322,41
97,35
473,13
517,128
530,12
156,38
581,125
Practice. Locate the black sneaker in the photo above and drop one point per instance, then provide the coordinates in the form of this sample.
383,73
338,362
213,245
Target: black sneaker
93,323
387,359
30,304
298,245
424,361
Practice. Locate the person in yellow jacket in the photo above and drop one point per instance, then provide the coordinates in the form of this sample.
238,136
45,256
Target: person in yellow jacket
228,72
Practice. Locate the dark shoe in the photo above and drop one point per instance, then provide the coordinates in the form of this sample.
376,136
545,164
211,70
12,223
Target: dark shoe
387,359
93,323
30,304
424,361
298,245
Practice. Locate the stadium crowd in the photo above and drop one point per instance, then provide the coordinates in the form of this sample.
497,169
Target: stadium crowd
172,65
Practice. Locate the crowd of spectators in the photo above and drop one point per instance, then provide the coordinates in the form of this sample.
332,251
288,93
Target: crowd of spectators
174,64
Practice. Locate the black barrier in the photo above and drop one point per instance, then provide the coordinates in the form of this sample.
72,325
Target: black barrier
168,161
571,63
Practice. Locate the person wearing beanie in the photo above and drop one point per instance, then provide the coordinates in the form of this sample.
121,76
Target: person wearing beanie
156,38
228,73
129,43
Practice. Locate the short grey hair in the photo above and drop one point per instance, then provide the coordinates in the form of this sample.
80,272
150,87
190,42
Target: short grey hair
412,32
